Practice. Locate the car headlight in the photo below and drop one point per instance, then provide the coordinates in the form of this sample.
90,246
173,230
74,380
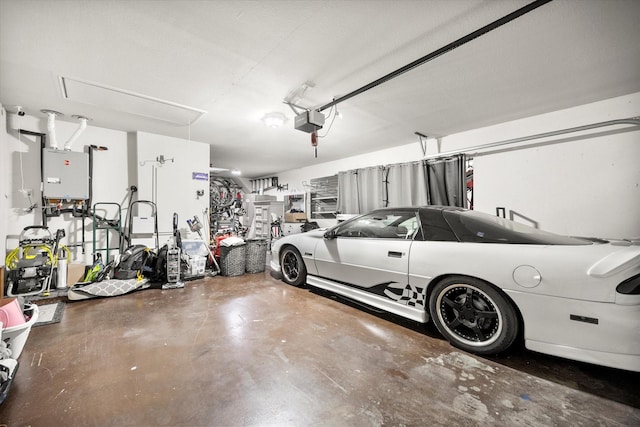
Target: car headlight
631,286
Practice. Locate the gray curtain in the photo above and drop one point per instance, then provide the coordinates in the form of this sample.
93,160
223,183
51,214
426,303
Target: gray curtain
347,192
446,181
406,184
430,182
360,190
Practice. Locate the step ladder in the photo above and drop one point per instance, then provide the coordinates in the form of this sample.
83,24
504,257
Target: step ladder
141,226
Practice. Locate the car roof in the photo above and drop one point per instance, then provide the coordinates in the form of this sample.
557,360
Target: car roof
439,208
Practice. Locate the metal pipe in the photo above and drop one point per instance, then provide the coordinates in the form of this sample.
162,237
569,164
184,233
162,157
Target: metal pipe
451,46
83,125
51,128
634,121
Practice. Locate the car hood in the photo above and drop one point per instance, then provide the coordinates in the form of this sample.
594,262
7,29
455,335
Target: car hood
300,238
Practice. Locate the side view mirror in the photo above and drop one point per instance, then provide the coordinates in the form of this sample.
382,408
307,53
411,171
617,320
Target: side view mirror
330,234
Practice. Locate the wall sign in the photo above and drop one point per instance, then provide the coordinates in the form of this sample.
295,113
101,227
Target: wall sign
200,176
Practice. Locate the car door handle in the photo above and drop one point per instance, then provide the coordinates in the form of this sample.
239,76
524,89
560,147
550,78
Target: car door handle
394,254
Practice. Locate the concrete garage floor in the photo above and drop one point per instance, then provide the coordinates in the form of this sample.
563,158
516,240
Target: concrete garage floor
251,350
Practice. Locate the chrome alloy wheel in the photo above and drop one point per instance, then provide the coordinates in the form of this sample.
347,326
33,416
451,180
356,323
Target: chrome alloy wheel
469,314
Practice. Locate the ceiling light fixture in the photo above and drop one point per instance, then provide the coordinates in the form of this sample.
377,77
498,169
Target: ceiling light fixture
214,169
274,120
236,172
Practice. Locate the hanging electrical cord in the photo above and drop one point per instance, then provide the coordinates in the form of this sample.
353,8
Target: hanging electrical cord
334,110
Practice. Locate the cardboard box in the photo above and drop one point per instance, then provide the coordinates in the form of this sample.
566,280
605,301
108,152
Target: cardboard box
75,274
295,217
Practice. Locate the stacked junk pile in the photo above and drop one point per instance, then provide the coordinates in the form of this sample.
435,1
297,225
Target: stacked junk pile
141,267
39,267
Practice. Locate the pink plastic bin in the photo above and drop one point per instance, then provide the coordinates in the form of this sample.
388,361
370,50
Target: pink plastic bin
16,336
10,313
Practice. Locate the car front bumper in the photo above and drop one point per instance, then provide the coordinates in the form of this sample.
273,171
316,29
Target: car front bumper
274,266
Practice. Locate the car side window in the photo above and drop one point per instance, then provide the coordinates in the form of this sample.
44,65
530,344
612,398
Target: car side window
381,225
411,226
435,228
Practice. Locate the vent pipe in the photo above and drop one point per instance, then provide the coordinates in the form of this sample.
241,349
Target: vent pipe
51,127
83,125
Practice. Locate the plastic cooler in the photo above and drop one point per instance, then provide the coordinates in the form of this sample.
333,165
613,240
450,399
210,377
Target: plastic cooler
16,336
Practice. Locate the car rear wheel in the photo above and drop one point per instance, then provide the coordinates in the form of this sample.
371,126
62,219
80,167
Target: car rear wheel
292,266
473,315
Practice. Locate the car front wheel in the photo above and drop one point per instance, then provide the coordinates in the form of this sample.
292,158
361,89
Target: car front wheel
473,315
292,266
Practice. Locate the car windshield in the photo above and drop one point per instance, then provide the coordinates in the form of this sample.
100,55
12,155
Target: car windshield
381,225
478,227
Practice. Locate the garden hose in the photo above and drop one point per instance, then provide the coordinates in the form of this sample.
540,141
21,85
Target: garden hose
11,261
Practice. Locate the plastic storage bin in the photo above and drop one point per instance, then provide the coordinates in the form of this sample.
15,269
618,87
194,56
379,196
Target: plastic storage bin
16,336
198,265
11,313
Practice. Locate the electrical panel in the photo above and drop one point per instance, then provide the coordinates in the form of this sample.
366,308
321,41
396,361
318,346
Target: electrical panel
65,174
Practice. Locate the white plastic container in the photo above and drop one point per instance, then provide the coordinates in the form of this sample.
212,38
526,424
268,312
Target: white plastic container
16,336
62,274
198,265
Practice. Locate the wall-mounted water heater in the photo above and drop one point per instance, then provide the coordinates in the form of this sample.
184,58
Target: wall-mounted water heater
65,174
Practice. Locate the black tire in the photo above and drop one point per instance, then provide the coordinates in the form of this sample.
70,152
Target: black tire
292,267
473,315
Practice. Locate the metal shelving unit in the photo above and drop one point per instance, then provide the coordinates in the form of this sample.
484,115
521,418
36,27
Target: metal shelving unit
323,197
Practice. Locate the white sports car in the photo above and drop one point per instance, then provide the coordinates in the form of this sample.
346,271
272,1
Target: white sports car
483,280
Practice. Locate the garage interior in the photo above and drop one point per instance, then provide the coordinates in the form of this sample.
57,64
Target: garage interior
203,122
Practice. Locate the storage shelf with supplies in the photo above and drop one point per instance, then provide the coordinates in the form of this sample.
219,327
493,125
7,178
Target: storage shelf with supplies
324,197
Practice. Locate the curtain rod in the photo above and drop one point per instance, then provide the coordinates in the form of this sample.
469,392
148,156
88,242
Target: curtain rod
634,121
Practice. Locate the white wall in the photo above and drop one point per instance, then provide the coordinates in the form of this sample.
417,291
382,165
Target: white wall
114,171
176,187
22,171
581,184
4,166
585,184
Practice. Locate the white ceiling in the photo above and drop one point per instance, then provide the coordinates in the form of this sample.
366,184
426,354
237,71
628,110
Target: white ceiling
238,60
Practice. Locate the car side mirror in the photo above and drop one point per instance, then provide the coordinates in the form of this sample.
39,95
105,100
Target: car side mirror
330,234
